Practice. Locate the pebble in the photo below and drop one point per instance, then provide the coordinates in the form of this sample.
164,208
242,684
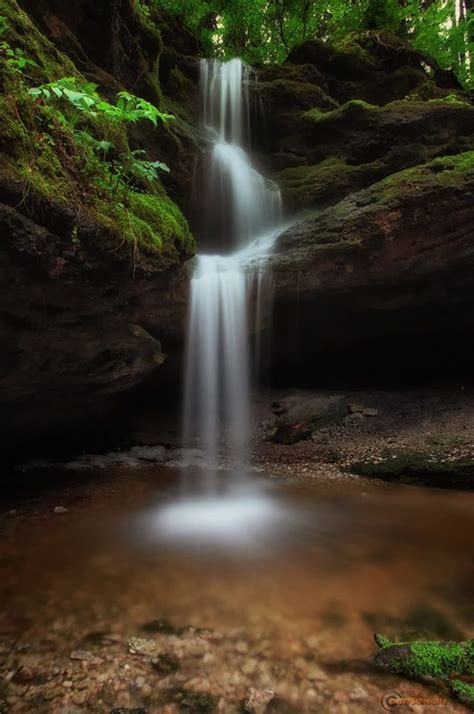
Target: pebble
141,646
258,699
316,674
86,656
242,647
249,666
60,509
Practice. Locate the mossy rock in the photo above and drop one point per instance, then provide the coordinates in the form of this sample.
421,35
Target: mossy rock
420,469
444,663
390,208
345,149
44,170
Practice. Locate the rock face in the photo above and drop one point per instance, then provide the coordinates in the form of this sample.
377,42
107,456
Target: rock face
339,120
77,332
84,310
380,283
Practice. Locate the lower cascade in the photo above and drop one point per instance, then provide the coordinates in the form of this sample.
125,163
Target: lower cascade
217,369
244,210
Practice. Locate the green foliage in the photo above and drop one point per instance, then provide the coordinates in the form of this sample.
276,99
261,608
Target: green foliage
79,108
64,145
83,97
262,31
13,57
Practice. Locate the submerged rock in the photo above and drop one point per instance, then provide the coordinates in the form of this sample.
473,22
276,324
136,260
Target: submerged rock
141,646
86,656
258,700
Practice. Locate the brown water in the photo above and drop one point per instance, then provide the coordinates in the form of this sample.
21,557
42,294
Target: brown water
293,585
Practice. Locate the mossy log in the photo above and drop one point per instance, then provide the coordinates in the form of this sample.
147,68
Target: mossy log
450,664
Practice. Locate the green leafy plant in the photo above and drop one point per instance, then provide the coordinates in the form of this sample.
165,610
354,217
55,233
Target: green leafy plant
129,170
14,57
77,106
84,98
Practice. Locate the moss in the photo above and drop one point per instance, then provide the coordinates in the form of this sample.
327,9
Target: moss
146,18
463,691
430,661
23,33
351,46
420,468
306,185
150,221
352,109
43,159
399,112
445,170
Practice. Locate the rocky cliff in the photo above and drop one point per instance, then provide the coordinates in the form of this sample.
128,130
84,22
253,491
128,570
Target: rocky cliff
88,280
375,142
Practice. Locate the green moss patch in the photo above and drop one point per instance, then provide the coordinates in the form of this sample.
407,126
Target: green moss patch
49,160
443,663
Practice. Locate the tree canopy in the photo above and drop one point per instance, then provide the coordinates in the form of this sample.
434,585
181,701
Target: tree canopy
267,30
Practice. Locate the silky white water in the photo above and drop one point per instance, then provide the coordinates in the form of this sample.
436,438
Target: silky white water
242,206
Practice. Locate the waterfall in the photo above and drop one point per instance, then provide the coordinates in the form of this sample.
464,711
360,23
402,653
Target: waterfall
240,206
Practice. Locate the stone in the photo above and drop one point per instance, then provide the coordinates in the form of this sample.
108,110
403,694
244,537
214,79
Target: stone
86,656
355,408
368,412
23,675
149,453
249,666
242,647
290,434
258,699
60,509
141,646
304,416
353,418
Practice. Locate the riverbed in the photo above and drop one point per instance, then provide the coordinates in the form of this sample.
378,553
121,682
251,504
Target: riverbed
129,588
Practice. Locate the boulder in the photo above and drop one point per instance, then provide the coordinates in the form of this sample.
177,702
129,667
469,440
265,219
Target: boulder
381,283
297,419
337,120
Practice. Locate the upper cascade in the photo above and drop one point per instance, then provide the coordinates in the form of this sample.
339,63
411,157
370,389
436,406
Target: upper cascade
225,99
239,203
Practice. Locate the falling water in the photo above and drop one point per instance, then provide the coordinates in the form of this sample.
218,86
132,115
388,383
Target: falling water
240,205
